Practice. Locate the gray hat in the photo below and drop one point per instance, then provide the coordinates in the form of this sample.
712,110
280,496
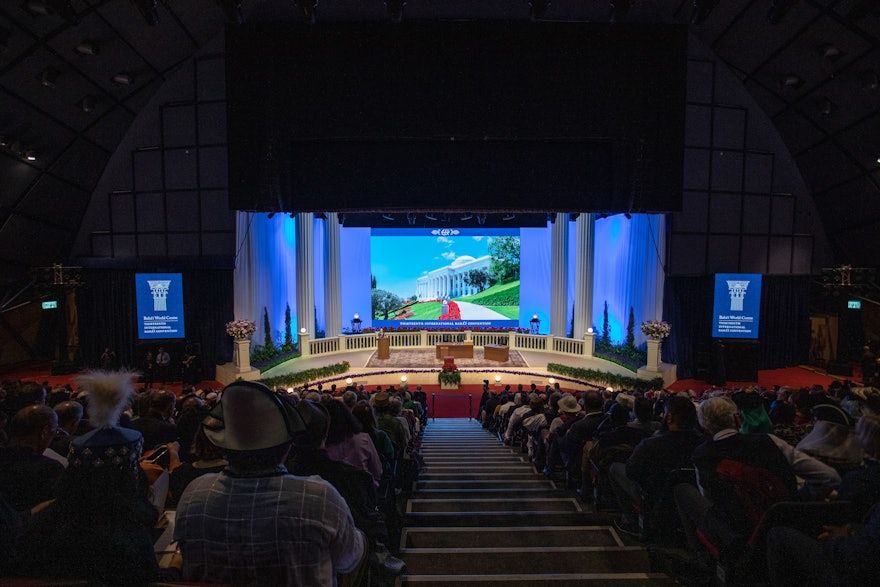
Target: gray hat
250,416
568,404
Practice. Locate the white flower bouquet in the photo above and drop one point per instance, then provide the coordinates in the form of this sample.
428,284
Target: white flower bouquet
240,329
656,329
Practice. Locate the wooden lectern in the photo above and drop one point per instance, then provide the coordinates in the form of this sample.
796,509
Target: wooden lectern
384,348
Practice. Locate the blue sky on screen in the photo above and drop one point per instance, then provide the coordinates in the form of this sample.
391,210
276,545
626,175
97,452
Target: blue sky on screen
398,261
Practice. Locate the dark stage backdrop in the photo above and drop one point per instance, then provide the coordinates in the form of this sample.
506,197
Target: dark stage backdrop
456,115
784,338
107,316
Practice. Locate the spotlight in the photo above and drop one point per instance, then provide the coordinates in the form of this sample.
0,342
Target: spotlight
509,217
537,9
149,9
232,10
87,48
388,217
87,104
123,79
48,77
395,9
430,217
702,9
791,81
30,155
309,8
481,219
619,10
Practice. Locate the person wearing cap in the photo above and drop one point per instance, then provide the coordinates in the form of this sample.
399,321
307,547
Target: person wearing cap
99,527
254,522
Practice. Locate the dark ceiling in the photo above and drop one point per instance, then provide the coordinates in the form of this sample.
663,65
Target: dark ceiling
74,74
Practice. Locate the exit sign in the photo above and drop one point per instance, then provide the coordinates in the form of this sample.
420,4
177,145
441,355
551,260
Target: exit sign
854,304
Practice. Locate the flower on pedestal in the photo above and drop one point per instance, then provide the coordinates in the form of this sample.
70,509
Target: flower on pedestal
656,329
449,374
240,329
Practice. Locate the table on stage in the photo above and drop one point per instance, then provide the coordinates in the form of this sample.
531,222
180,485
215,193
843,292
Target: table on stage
459,350
496,352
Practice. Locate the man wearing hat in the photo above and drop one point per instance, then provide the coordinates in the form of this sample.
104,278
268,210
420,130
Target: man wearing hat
255,523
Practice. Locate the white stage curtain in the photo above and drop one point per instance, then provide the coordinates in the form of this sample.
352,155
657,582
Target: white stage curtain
265,272
629,272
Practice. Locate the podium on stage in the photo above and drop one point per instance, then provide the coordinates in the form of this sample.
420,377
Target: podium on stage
383,346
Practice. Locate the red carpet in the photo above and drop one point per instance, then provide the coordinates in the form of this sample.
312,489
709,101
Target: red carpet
792,376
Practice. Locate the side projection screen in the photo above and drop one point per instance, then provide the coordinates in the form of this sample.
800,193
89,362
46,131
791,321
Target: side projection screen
160,305
737,307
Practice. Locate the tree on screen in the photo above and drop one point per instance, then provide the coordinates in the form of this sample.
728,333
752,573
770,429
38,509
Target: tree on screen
384,302
505,258
478,278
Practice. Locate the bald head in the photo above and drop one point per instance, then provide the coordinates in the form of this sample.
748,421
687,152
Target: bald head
69,414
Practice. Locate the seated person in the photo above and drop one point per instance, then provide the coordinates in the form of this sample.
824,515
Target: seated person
99,527
861,486
284,530
28,478
832,439
348,444
204,458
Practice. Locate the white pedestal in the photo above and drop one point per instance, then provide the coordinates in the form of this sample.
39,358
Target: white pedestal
228,372
448,386
667,371
241,354
653,355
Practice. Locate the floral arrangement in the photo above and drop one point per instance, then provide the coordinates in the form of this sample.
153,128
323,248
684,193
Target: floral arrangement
454,313
240,329
656,328
449,375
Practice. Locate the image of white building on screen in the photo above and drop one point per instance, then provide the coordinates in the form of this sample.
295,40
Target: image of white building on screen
448,281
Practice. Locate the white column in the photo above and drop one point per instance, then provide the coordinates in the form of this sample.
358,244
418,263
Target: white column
583,274
558,275
305,272
653,355
332,276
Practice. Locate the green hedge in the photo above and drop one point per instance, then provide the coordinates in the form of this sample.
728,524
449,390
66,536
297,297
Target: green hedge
306,376
605,378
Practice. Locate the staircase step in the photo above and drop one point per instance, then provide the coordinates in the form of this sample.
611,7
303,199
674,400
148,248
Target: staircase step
497,519
521,537
492,561
487,484
431,467
518,504
502,493
554,580
525,475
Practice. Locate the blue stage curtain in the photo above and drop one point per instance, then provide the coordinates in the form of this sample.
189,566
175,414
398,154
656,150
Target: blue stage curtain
628,272
265,272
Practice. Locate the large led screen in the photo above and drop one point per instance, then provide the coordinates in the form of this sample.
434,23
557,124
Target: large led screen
737,308
445,278
160,305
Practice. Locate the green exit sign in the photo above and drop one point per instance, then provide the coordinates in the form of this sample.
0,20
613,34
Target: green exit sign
50,305
854,304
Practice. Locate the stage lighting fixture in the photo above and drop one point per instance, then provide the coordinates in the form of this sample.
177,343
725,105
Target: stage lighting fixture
87,48
123,79
702,9
87,104
48,77
619,10
627,215
30,155
37,7
551,381
509,217
149,9
232,10
388,217
411,218
467,217
791,81
270,214
309,8
481,219
395,9
430,217
537,9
